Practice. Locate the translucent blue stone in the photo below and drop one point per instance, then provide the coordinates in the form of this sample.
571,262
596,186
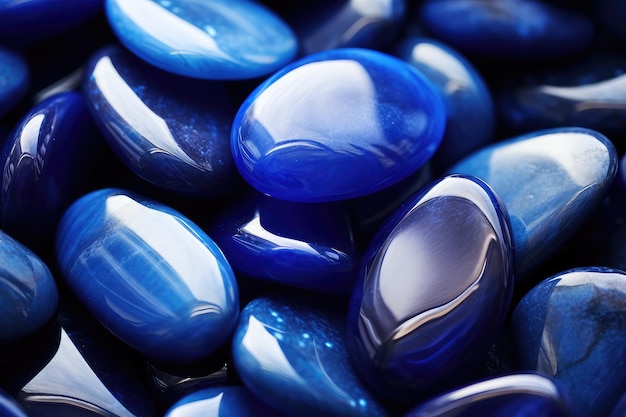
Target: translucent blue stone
436,284
217,39
572,327
550,181
516,395
293,356
14,79
511,29
150,275
337,125
172,131
9,407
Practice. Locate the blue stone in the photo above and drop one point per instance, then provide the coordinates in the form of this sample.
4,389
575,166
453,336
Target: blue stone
293,355
612,14
218,39
14,79
172,131
516,395
620,408
549,181
9,407
149,274
509,29
572,327
352,122
431,302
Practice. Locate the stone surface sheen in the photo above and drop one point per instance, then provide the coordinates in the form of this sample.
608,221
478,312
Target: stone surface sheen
14,79
572,327
218,39
293,356
549,181
172,131
352,122
9,407
431,300
150,275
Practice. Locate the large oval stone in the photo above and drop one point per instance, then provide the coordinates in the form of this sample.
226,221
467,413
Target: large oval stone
150,275
337,125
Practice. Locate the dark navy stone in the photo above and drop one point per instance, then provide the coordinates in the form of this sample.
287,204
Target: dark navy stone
469,109
9,407
172,131
510,29
549,181
516,395
220,39
293,356
14,79
620,408
612,14
435,288
572,327
150,275
352,122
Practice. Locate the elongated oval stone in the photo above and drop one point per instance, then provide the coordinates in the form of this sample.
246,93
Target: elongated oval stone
150,275
572,327
436,283
14,79
351,122
217,39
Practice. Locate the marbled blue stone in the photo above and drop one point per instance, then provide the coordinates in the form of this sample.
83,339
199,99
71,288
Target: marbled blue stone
217,39
9,407
352,122
572,327
149,274
14,79
510,29
436,284
172,131
516,395
549,181
293,356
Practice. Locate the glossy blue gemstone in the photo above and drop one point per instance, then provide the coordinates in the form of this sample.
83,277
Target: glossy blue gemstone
293,356
511,29
549,181
217,39
9,407
516,395
436,284
172,131
14,79
337,125
572,327
150,275
45,165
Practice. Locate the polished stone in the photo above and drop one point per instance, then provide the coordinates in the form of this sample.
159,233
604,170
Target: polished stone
620,408
220,39
9,407
172,131
572,327
352,122
549,181
431,302
14,79
149,274
292,355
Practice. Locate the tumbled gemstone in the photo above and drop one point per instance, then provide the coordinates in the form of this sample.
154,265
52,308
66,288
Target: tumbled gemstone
436,283
172,131
337,125
28,292
9,407
572,327
149,274
549,181
218,39
14,79
293,356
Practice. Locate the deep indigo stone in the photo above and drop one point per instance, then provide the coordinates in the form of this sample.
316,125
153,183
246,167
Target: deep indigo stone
172,131
352,122
620,408
435,287
14,79
612,14
293,356
549,181
150,275
9,407
516,395
220,39
572,327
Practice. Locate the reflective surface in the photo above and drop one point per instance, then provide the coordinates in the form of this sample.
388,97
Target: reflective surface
14,79
148,274
571,327
282,343
435,287
220,39
352,122
9,407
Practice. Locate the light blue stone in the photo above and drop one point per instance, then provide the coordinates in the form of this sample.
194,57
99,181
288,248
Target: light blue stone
217,39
